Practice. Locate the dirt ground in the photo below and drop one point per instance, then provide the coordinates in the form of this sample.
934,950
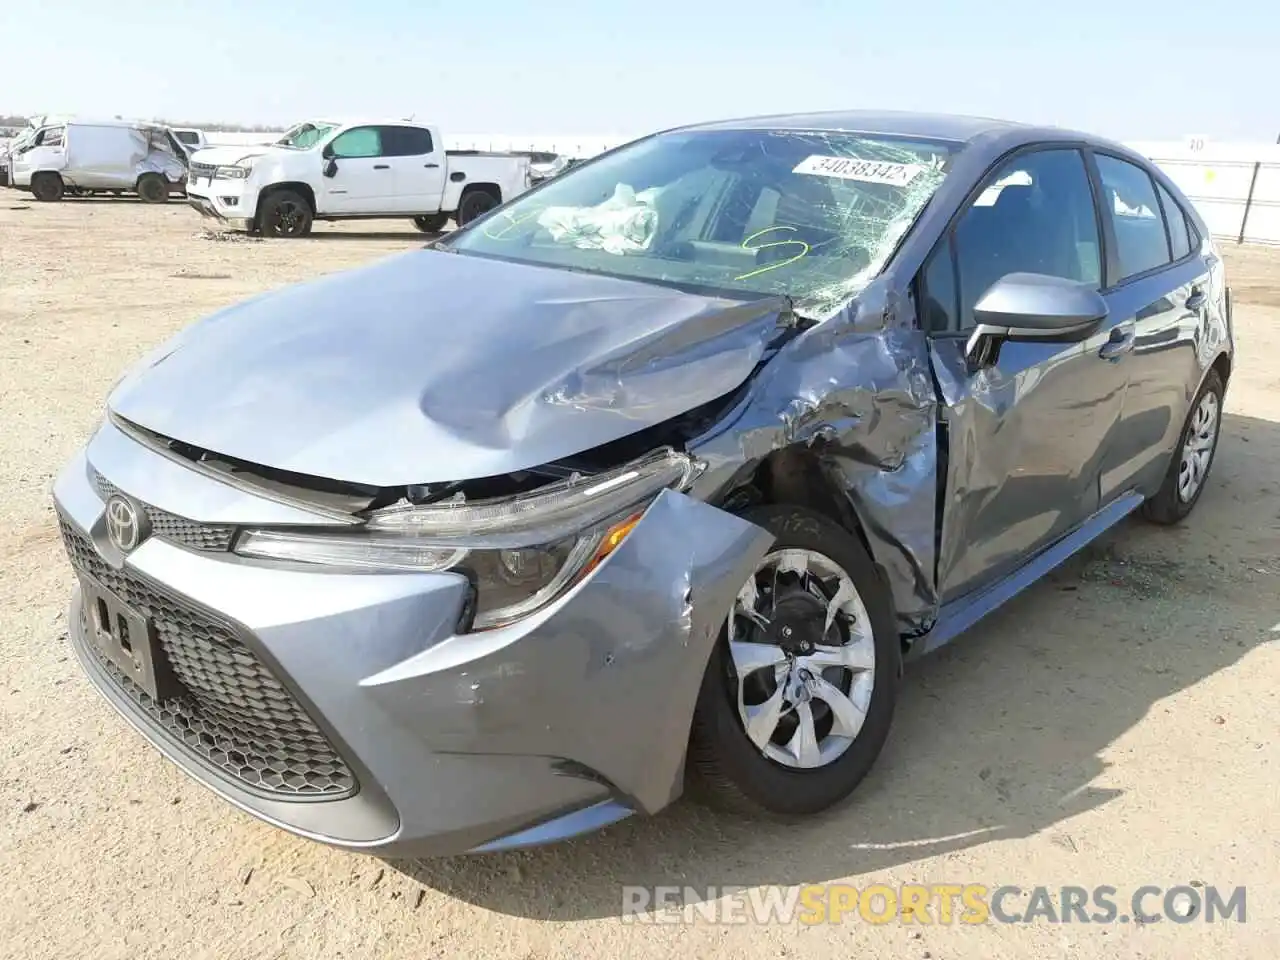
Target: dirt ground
1115,725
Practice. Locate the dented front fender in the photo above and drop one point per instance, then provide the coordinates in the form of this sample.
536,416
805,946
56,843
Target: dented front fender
604,681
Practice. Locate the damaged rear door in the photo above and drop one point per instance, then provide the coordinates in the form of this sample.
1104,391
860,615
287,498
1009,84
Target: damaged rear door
1024,429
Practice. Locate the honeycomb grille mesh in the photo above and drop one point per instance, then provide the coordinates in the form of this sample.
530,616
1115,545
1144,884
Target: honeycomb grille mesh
170,526
232,712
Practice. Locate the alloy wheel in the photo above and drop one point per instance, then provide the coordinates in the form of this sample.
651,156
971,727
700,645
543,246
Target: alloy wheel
289,215
1197,449
804,654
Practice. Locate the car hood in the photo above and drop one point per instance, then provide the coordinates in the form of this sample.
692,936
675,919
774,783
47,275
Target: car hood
231,155
432,366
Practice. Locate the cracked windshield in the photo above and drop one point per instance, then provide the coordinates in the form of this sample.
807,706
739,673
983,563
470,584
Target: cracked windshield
812,216
304,136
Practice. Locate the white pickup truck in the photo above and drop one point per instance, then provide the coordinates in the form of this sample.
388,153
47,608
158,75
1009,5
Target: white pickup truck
375,169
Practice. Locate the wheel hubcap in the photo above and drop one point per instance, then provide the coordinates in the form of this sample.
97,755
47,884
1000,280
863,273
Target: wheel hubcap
289,218
804,658
1197,451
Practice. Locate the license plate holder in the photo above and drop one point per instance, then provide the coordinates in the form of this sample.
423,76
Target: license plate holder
126,638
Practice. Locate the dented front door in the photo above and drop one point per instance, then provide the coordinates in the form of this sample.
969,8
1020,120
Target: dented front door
1024,434
1024,438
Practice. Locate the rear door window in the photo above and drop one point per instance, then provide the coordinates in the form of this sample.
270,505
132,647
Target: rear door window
405,141
1179,229
1129,198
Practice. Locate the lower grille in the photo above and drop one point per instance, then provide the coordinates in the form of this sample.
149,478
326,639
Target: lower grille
232,713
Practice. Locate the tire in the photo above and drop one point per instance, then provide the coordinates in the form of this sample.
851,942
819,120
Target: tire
475,203
729,771
284,214
1172,502
152,188
47,187
433,223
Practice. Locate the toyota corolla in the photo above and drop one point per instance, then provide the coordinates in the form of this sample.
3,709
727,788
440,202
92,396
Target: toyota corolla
652,478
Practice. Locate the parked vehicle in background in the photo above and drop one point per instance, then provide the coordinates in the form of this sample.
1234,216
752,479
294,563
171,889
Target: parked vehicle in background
88,156
544,166
655,476
17,144
190,138
371,169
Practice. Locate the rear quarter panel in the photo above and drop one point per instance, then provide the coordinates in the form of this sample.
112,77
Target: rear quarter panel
511,174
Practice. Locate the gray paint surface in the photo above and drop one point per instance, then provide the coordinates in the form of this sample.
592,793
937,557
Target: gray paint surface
431,366
464,738
476,367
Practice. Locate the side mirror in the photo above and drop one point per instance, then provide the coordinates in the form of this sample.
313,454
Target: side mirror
1033,306
330,168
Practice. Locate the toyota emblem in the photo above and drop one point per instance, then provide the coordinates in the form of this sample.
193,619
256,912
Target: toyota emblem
124,527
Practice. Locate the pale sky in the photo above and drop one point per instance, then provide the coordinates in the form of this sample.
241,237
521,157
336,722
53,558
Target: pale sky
1131,69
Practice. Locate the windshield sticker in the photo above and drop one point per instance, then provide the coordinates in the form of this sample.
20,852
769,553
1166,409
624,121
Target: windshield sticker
866,171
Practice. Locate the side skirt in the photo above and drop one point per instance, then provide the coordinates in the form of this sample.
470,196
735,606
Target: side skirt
960,614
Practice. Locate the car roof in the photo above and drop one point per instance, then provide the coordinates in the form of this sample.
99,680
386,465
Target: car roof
936,126
92,122
366,122
998,135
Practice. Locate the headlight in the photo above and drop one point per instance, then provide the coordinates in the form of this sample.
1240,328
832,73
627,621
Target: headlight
518,552
231,173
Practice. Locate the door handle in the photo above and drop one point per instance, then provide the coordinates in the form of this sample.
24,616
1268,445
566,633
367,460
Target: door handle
1121,342
1196,300
382,166
431,166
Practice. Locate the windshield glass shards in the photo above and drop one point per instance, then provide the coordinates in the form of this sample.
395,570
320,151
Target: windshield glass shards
810,215
304,136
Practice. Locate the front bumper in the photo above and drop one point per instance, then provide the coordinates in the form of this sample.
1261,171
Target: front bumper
229,205
531,733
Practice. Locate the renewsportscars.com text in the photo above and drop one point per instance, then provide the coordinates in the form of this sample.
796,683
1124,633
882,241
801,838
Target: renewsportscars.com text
929,904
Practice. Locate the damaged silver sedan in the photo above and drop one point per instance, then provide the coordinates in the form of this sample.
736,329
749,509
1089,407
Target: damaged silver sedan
653,477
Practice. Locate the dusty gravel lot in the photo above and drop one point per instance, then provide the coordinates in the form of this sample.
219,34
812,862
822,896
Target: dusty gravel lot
1116,725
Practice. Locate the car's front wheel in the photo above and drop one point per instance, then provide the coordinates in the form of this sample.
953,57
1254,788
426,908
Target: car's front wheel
47,187
152,188
799,692
284,214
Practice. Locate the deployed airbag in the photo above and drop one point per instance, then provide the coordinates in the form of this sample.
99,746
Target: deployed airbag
624,223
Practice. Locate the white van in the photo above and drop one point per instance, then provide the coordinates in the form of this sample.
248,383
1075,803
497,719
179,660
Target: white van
87,156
